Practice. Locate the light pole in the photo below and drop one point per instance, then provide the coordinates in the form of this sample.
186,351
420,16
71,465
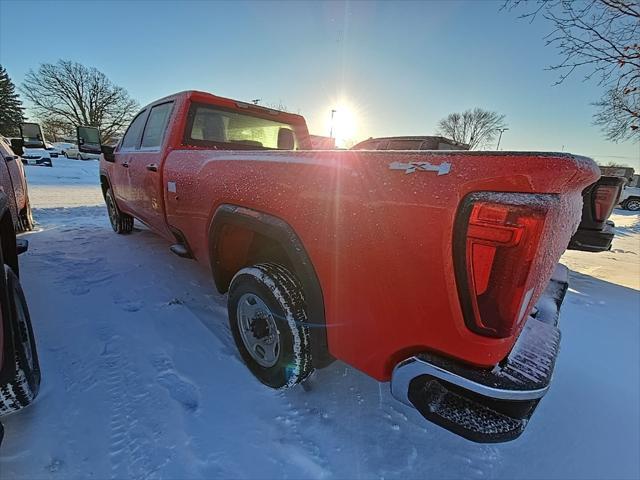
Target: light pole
331,127
500,137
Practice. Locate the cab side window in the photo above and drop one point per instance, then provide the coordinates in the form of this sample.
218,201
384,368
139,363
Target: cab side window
131,139
156,125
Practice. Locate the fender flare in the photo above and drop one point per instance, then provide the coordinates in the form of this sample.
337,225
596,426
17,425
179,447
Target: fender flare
280,231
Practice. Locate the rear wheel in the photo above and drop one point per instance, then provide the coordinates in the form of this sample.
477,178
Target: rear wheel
632,204
268,319
120,222
79,156
23,386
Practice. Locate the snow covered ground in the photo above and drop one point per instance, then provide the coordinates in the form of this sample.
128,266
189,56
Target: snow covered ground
141,378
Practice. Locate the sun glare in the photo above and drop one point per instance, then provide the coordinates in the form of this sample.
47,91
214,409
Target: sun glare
343,125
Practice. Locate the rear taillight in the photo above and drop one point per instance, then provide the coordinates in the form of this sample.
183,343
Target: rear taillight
605,199
498,241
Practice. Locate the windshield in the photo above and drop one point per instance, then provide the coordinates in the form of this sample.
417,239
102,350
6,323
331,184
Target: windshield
210,125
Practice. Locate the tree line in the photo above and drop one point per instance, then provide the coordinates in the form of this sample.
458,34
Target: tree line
64,95
67,94
601,38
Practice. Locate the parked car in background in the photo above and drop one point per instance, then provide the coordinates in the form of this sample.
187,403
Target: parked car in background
14,185
595,232
31,146
53,151
410,143
630,198
19,366
36,156
74,153
62,147
435,270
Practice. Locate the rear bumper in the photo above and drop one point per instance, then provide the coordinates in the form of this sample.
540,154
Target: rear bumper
593,240
488,405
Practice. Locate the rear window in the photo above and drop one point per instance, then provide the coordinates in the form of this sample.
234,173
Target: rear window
214,126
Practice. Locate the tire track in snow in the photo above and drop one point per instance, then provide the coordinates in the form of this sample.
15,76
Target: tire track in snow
136,447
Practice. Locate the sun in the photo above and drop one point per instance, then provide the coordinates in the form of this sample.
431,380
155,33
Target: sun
343,124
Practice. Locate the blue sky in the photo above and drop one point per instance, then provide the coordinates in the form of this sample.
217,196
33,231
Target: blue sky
399,66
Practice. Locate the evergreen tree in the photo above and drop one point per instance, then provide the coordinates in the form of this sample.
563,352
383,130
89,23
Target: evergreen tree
11,110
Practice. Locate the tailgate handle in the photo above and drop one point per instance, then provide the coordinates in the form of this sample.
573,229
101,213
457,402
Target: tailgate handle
152,167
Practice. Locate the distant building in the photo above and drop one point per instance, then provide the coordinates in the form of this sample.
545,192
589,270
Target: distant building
626,172
319,142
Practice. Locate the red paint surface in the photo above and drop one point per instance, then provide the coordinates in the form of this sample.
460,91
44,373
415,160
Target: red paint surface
380,240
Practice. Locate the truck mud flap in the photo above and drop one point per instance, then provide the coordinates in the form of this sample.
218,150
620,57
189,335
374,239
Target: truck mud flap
488,405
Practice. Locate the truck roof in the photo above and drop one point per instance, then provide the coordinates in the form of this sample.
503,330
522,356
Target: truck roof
205,97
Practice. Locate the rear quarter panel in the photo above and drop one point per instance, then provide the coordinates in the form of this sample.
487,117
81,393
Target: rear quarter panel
379,239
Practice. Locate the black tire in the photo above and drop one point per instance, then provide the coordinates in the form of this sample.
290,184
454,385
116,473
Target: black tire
121,223
632,204
23,386
282,294
79,156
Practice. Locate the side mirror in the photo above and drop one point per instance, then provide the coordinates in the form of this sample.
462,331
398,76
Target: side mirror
89,140
17,145
32,135
107,152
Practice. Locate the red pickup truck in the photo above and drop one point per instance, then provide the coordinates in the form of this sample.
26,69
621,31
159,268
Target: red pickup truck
436,270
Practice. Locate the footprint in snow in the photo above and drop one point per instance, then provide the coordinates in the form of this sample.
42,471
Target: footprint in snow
180,389
80,290
126,304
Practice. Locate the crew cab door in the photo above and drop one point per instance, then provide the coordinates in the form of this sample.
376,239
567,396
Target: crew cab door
145,173
119,175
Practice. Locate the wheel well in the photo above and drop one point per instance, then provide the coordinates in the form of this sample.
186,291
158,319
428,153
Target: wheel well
238,246
239,237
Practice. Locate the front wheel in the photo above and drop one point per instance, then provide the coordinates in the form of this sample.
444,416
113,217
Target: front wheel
79,156
632,204
268,319
23,386
120,222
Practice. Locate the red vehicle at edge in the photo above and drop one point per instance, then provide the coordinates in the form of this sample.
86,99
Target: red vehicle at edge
14,184
420,267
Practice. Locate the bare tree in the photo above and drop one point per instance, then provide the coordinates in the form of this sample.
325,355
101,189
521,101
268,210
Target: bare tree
74,94
602,39
57,130
475,127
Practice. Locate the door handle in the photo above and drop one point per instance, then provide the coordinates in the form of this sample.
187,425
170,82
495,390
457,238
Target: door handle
125,165
152,167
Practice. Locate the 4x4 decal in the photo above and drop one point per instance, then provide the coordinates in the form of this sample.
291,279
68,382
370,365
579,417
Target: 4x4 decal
442,169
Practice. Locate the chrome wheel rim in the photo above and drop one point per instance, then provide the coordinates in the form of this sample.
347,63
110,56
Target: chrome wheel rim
633,205
113,214
258,330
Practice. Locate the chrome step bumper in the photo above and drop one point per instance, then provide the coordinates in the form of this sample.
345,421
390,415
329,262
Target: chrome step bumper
488,405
